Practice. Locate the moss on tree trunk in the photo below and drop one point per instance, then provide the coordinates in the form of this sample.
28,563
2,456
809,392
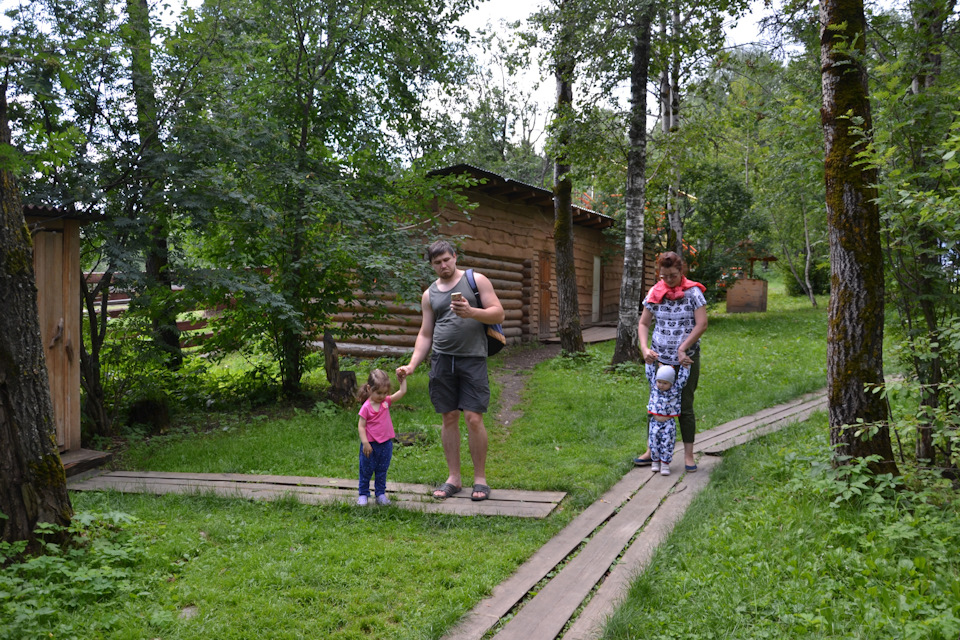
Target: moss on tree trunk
33,486
855,332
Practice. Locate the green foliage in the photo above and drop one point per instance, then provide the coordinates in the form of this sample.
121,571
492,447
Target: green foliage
500,116
819,279
282,569
97,568
307,203
787,546
762,117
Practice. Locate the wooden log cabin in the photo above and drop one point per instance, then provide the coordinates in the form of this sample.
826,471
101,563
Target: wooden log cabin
509,238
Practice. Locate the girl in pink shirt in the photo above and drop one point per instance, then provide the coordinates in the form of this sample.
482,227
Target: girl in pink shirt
376,434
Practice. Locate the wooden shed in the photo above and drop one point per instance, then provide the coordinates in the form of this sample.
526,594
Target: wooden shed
56,263
508,237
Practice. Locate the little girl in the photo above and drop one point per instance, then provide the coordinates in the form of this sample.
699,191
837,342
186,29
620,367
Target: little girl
376,434
664,407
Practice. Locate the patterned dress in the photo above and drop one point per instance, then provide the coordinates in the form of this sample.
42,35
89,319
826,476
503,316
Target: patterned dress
662,436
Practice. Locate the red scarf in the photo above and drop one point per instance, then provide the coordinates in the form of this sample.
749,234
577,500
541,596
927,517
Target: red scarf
659,290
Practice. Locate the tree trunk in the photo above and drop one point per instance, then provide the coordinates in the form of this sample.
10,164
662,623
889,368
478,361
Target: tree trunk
855,334
570,329
33,486
568,303
94,401
670,117
163,314
631,285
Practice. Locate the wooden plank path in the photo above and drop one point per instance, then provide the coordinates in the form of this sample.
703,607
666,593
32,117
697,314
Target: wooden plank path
612,541
594,558
310,490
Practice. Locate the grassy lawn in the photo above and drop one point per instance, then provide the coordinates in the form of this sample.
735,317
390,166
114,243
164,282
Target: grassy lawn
769,551
202,567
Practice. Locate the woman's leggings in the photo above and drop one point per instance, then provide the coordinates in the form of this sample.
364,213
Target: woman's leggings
688,419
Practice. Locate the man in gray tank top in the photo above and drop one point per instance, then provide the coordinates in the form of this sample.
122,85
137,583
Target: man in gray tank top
453,326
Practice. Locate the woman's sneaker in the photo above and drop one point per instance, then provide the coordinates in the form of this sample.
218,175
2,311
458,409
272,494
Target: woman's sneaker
362,501
664,469
655,466
383,500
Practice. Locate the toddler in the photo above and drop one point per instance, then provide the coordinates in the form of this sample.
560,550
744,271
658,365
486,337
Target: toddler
664,407
376,434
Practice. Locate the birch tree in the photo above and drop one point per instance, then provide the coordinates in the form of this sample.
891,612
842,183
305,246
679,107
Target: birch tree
631,285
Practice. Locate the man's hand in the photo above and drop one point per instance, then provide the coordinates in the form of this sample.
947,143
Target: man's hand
462,308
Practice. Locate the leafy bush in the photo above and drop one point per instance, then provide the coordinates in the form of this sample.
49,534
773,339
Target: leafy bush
94,569
819,278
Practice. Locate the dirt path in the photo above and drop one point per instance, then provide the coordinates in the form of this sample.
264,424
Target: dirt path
512,378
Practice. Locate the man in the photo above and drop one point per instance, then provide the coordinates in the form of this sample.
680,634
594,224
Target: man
454,326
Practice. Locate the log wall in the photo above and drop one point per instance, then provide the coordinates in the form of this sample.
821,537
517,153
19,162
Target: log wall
512,244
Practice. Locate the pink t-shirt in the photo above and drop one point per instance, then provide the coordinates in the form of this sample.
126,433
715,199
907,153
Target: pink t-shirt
379,424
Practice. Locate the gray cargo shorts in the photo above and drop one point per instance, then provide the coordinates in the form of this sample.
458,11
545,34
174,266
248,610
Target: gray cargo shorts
459,383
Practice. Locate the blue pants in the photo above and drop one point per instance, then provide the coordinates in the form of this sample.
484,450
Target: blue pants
661,439
375,466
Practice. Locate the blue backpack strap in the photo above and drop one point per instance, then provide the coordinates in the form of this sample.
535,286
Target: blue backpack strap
473,285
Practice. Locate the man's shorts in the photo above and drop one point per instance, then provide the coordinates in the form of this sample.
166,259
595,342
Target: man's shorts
459,383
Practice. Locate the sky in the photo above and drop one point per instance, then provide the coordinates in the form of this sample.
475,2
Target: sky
495,11
511,10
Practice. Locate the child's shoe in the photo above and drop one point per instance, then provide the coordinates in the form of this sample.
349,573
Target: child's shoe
664,469
362,501
383,500
655,466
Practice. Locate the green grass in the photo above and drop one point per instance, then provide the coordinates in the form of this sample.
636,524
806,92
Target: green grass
765,552
285,570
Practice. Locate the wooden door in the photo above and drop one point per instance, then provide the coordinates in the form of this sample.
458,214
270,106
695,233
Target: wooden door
48,266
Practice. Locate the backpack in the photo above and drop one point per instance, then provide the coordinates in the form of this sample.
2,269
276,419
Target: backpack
495,338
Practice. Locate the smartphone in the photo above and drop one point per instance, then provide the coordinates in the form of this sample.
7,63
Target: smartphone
456,296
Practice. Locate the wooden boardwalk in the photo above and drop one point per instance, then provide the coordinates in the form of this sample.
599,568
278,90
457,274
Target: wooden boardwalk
593,559
309,490
597,555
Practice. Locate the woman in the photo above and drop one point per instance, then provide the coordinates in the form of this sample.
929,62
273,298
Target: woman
677,311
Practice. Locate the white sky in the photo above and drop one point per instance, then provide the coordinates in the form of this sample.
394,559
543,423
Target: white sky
493,12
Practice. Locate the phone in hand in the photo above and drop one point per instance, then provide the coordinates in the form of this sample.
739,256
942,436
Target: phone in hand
456,296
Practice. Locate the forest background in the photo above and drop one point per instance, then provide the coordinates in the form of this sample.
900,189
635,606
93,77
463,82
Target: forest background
271,158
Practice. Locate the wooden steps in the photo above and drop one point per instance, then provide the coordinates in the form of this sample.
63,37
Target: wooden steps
309,490
77,461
